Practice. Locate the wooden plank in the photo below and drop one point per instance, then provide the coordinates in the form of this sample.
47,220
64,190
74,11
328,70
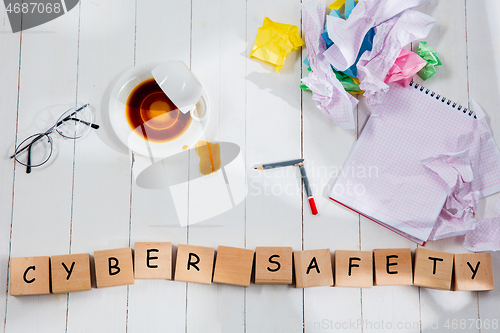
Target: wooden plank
102,168
448,38
47,88
163,33
274,213
9,71
218,60
483,45
326,147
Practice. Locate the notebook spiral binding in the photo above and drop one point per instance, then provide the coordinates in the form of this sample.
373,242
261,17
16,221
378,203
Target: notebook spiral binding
443,99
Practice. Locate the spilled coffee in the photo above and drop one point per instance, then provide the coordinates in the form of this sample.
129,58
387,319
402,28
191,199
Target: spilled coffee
153,116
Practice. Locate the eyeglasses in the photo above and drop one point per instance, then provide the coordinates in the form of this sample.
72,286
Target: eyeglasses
37,149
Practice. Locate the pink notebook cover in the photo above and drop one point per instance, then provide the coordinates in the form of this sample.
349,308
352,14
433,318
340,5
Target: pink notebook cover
384,177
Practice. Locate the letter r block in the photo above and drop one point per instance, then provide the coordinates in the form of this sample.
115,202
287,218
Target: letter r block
353,269
194,264
70,273
313,268
153,260
433,269
273,265
29,276
393,267
114,267
473,271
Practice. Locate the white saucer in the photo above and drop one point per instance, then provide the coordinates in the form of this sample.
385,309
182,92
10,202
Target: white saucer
117,102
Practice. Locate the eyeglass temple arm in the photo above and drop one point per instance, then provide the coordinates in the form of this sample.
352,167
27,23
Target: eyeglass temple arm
28,146
28,166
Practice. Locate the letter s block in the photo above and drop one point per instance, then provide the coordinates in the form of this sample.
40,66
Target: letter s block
114,267
273,265
29,276
70,273
433,269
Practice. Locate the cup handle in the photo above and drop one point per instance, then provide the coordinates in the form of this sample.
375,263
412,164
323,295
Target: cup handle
202,104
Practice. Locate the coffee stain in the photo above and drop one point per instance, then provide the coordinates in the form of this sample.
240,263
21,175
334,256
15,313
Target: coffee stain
185,147
209,154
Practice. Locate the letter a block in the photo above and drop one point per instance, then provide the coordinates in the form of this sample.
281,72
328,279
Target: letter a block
153,260
433,269
473,271
233,266
353,269
313,268
70,273
114,267
273,265
393,267
29,276
194,264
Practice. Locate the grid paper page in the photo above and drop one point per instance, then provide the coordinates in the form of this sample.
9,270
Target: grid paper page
384,177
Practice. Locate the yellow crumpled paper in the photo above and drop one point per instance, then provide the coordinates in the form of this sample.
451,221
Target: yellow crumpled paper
275,41
337,4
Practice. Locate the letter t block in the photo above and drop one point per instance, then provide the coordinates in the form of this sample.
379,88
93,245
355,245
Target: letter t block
433,269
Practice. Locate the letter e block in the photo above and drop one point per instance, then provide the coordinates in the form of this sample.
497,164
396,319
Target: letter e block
273,265
29,276
393,267
233,266
114,267
433,269
153,260
70,273
473,271
353,269
194,264
313,268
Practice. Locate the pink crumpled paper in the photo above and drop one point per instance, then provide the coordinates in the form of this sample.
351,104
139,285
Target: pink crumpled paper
328,93
406,66
390,38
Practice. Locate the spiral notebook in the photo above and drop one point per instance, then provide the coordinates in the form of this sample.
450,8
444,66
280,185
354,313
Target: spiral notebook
385,178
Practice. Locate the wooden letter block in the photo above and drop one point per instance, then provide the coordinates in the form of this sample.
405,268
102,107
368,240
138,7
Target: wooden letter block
393,267
273,265
70,273
433,269
233,266
153,260
313,268
114,267
473,272
194,264
29,276
353,269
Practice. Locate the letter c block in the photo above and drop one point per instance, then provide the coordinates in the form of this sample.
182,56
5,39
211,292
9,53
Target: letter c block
114,267
273,265
29,276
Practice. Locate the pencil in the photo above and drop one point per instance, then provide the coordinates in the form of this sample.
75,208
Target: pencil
310,197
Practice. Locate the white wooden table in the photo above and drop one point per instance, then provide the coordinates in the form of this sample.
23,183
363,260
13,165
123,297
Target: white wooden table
86,200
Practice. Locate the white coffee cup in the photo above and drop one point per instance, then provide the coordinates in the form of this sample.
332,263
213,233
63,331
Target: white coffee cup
182,88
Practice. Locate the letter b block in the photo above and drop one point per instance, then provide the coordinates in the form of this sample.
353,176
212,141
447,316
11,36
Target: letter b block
194,264
433,269
393,267
273,265
114,267
29,276
153,260
473,272
353,269
313,268
70,273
